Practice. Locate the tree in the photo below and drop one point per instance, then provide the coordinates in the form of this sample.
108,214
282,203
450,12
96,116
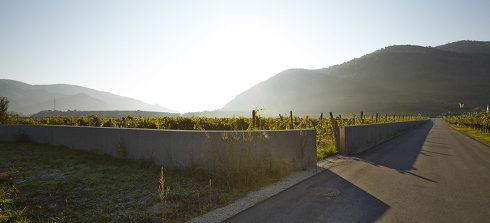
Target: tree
4,105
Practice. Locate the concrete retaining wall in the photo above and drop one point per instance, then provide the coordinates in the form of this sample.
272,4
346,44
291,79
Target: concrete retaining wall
286,150
358,138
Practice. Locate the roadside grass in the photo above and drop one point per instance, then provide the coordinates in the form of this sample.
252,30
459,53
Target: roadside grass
473,132
42,183
325,147
325,150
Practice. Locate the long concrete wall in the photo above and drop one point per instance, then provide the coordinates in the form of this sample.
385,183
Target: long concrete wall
286,150
358,138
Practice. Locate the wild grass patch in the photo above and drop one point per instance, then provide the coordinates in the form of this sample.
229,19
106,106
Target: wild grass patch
41,183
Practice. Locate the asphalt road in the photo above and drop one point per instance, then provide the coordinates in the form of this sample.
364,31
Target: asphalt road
429,174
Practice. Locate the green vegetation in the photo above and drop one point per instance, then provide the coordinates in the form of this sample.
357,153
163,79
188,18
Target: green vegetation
473,132
477,124
40,183
325,135
4,105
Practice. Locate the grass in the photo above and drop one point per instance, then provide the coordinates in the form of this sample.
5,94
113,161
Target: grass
473,132
325,151
41,183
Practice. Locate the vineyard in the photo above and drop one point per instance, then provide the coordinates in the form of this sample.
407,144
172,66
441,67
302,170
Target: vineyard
477,121
325,135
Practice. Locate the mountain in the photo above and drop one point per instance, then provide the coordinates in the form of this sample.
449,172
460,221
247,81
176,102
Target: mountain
28,99
103,114
401,78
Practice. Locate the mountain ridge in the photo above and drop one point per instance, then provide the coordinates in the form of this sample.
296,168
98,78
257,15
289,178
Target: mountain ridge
29,99
400,78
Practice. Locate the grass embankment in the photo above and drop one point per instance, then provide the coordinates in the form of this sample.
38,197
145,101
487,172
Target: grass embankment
41,183
473,132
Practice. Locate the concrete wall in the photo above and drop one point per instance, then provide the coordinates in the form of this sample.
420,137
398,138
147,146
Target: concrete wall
358,138
286,150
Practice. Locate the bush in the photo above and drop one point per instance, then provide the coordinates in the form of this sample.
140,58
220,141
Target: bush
4,105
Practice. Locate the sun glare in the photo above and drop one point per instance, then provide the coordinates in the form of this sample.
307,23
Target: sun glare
228,58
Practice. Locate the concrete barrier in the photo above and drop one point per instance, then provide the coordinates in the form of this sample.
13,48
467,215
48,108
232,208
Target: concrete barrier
285,150
358,138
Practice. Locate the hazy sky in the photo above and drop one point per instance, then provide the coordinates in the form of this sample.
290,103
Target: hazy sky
198,55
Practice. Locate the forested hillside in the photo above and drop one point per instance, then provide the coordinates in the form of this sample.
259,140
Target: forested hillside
401,78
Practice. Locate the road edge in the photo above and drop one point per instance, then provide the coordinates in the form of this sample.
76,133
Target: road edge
256,197
482,141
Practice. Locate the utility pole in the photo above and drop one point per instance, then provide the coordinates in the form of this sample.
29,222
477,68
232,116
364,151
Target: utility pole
253,118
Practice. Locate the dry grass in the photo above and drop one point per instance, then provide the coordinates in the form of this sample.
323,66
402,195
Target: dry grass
40,183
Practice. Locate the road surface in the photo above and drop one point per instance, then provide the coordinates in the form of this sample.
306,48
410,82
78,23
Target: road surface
429,174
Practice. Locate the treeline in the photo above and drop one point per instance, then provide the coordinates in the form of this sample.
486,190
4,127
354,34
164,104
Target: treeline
478,121
323,125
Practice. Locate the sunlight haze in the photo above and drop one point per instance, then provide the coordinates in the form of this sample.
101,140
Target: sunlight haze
198,55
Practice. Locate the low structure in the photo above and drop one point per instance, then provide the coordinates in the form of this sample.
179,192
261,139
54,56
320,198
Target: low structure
282,150
358,138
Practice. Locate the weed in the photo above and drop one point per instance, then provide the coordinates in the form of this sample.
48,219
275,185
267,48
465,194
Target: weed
326,150
163,192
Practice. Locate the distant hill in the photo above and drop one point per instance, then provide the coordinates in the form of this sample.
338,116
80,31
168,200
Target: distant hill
221,114
28,99
102,114
467,47
402,78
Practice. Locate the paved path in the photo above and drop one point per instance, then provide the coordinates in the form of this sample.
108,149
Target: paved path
429,174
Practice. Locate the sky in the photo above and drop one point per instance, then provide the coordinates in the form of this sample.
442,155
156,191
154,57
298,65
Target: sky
199,55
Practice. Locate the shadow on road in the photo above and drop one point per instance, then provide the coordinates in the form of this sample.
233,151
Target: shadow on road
401,152
326,197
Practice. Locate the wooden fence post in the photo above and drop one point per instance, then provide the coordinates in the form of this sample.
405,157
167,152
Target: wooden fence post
321,117
376,117
292,124
334,127
253,118
362,117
